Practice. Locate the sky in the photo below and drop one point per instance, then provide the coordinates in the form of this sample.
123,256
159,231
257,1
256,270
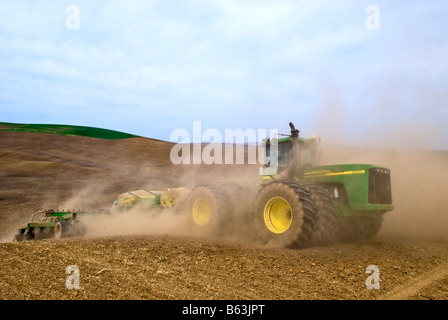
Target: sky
362,73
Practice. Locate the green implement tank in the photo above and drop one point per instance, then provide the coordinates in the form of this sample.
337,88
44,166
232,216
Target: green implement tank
147,199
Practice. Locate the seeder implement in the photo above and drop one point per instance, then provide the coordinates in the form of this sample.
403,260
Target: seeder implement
54,224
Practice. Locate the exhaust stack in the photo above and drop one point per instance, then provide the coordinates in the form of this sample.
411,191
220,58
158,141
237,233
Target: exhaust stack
293,172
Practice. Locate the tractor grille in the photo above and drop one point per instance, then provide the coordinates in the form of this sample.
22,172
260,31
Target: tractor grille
379,186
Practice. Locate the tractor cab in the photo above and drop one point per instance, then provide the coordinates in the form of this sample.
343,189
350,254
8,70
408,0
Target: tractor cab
308,152
279,155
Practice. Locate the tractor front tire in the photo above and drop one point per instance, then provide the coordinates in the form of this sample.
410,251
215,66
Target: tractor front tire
283,214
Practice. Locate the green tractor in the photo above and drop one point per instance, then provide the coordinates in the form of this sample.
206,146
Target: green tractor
300,203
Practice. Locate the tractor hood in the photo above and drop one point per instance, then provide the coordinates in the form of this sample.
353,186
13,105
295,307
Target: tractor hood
359,187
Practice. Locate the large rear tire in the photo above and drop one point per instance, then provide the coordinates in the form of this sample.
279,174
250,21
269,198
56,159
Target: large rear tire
283,214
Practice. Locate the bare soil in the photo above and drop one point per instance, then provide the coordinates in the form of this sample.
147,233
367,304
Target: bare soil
136,260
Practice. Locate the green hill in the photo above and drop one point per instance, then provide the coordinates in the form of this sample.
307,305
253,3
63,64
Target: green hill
65,130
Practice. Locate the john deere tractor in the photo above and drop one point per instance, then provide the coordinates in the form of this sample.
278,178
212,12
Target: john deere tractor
300,203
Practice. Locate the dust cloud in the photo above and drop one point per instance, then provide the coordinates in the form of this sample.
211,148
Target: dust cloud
159,221
419,190
156,222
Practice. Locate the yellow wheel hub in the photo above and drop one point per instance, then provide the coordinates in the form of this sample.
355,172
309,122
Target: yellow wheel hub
277,215
202,211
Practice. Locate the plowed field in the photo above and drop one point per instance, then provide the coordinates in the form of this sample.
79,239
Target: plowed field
147,257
